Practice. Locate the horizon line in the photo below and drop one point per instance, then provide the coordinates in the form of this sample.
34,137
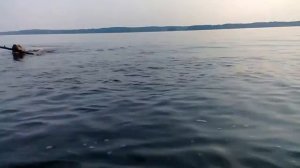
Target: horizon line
158,28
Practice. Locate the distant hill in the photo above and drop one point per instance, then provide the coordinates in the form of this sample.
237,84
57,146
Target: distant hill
156,28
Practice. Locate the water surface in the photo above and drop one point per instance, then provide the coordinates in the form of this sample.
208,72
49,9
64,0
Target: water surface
213,99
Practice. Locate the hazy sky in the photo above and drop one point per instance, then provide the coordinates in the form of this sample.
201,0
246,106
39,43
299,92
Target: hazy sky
66,14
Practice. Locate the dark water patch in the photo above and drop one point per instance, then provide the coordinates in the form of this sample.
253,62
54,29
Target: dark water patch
44,92
51,115
100,50
34,124
156,68
112,81
116,49
259,162
94,91
46,164
60,97
147,53
262,149
9,111
295,154
85,109
69,79
58,117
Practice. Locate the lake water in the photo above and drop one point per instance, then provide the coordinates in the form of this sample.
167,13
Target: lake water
211,99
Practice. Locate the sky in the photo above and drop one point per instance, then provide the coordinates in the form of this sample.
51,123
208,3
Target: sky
73,14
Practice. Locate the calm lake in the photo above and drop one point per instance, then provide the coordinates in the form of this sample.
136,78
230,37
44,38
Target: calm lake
211,99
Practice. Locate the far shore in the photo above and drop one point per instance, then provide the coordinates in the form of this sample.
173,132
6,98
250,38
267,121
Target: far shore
156,28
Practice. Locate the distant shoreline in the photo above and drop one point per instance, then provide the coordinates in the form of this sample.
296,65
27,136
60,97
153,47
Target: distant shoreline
155,28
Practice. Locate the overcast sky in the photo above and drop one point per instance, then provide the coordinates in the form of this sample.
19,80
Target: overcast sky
68,14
